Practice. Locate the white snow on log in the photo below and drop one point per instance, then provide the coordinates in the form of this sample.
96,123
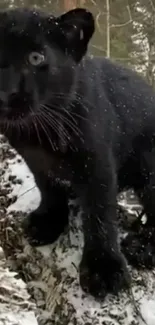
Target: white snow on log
15,305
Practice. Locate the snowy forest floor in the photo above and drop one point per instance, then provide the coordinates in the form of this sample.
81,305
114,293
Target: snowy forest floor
40,286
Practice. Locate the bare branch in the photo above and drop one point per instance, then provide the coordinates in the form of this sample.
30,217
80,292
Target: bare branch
97,22
94,3
133,60
98,16
97,47
152,5
126,23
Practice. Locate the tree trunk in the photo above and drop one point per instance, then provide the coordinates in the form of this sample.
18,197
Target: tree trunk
70,4
108,28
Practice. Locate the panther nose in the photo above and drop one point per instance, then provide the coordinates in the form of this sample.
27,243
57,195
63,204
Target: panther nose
12,99
3,99
21,102
1,103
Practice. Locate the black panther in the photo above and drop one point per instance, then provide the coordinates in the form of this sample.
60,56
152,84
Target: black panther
87,120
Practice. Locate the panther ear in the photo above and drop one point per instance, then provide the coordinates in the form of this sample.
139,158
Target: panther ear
76,28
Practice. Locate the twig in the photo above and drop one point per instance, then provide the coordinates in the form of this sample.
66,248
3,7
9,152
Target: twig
126,23
152,5
93,2
136,307
97,47
97,21
30,189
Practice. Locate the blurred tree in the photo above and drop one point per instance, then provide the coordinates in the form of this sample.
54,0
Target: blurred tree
145,38
70,4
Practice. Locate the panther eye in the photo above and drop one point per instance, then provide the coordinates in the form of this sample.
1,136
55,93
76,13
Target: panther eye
36,58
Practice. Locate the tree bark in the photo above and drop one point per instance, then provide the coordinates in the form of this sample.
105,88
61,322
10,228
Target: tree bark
108,28
70,4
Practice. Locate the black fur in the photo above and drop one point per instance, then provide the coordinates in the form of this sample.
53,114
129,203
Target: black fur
86,120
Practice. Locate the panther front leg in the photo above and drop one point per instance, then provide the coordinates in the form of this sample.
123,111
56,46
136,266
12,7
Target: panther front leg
103,268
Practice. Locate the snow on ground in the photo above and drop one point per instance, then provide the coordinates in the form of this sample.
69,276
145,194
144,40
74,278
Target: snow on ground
27,193
63,301
15,305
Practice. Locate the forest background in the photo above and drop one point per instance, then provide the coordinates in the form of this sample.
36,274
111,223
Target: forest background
125,29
